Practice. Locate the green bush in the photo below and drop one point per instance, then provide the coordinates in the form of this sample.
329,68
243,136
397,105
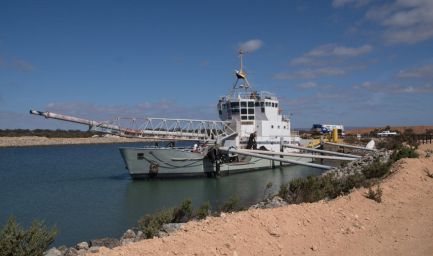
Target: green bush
203,211
391,143
284,191
376,170
232,205
16,241
355,180
150,224
183,213
404,152
315,188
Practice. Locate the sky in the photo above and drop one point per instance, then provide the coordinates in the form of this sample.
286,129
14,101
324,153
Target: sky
360,63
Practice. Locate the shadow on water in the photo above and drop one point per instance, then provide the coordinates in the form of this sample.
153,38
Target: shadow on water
86,192
124,176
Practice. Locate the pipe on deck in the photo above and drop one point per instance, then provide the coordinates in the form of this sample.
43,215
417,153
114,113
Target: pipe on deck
349,146
243,152
301,155
322,151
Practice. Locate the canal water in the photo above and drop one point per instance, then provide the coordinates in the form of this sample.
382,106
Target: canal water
85,191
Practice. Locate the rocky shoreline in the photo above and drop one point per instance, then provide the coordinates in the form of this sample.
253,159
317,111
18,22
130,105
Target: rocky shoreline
29,141
93,246
134,235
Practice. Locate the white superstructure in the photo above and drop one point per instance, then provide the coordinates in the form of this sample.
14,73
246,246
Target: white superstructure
251,111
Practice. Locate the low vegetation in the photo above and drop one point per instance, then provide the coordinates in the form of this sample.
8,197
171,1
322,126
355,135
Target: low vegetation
232,205
183,213
376,170
315,188
329,186
428,173
203,211
374,194
47,133
17,241
151,224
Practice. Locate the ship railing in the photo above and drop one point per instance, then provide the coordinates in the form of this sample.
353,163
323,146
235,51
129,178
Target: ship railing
251,95
167,128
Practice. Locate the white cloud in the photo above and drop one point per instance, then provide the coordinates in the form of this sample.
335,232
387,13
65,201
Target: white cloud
342,3
330,51
394,88
405,21
307,85
365,85
251,45
17,64
22,65
282,76
310,73
338,51
409,35
423,72
327,71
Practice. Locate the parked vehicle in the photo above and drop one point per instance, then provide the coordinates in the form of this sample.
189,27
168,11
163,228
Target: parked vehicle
386,134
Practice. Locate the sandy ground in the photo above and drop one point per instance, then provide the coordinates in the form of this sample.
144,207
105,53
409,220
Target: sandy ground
350,225
421,129
40,141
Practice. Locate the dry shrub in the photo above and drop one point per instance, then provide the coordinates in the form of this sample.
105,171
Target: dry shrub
374,194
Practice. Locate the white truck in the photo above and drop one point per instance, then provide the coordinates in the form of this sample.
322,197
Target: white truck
386,134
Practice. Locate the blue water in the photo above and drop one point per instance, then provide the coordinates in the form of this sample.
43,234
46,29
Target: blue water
86,192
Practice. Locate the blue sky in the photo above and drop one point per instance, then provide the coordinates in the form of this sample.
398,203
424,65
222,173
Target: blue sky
355,62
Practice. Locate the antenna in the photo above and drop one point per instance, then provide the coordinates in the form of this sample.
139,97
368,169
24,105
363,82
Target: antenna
241,56
241,74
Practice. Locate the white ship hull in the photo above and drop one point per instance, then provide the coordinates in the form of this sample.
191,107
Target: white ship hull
176,162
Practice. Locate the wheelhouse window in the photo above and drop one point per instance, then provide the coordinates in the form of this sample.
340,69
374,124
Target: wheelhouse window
234,104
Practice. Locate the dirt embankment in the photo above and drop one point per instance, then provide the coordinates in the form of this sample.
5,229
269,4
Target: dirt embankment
43,141
349,225
421,129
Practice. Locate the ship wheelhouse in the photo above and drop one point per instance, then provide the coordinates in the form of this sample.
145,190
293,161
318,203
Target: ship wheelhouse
250,111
